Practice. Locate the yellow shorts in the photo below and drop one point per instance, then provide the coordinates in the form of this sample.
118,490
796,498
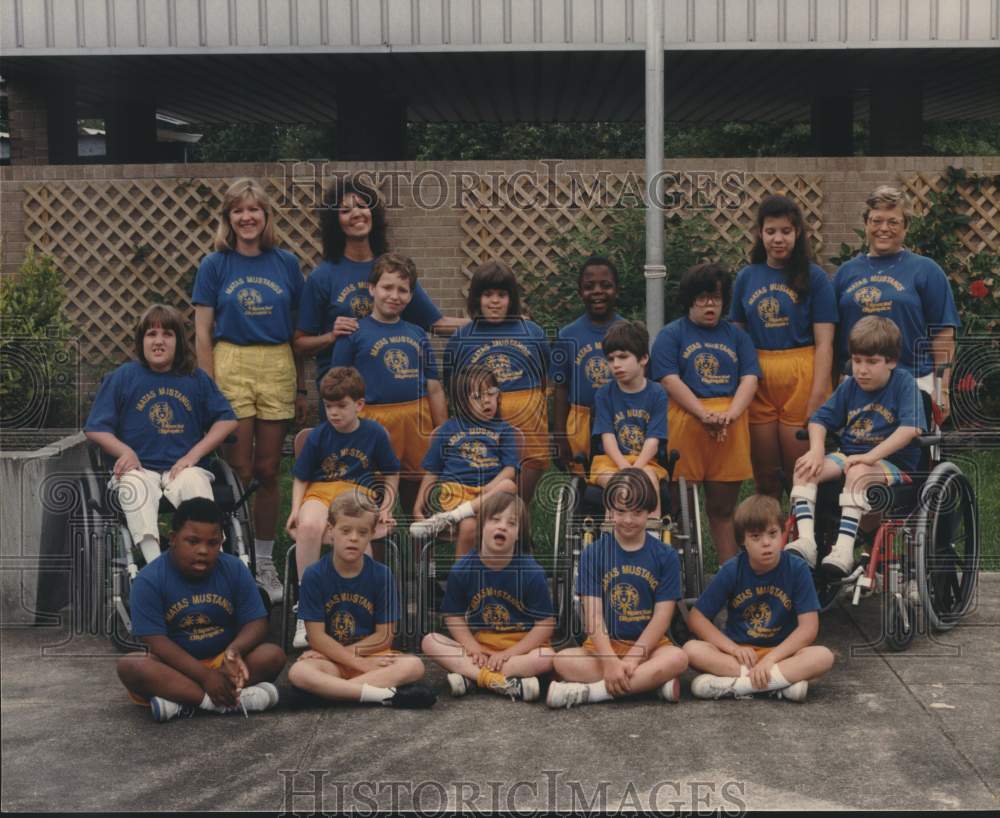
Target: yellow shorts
578,433
409,426
621,646
257,380
704,458
759,651
347,672
602,464
446,496
214,662
500,641
783,391
527,411
328,491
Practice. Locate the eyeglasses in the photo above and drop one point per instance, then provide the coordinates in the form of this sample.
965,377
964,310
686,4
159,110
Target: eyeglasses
878,223
489,392
705,300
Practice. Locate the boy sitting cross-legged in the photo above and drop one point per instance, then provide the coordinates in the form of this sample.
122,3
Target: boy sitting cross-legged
200,614
629,583
772,616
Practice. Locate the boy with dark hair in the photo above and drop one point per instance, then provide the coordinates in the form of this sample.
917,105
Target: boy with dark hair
772,616
200,614
879,413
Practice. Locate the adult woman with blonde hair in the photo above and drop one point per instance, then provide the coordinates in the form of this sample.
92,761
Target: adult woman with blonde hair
246,296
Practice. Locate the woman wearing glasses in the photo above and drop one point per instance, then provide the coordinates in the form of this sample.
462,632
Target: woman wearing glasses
891,282
786,304
709,368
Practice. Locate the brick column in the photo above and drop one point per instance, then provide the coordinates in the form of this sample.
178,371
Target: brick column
28,117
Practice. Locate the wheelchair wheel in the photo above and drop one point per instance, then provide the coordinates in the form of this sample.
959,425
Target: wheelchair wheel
897,633
693,565
241,526
947,546
115,545
678,630
562,550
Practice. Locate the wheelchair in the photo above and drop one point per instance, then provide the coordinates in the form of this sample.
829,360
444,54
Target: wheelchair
579,520
392,557
114,560
923,556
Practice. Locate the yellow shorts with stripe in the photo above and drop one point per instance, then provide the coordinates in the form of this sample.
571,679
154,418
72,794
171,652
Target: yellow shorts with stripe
621,646
446,496
345,671
214,662
502,640
894,476
578,434
702,456
528,411
602,464
783,391
758,651
409,426
258,380
327,491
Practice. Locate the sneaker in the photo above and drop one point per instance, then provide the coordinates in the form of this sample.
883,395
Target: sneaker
259,697
838,563
805,548
459,684
300,640
267,578
913,592
425,529
567,694
165,710
412,697
525,689
794,692
670,691
707,686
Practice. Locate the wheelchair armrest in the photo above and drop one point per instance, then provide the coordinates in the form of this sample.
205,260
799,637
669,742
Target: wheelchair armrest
926,441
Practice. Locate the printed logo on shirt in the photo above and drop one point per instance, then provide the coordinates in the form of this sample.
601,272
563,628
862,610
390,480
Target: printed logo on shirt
474,452
769,310
342,626
861,429
870,300
333,467
624,598
631,438
502,367
597,372
162,417
361,307
496,615
252,302
758,617
707,367
398,363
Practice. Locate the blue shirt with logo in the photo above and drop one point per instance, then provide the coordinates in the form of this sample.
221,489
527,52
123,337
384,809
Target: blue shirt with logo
395,360
912,290
254,297
709,360
160,415
633,417
471,452
340,289
512,598
578,361
202,616
761,609
329,455
515,349
865,419
770,309
350,607
629,583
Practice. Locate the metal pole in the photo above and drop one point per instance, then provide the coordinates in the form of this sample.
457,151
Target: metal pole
653,269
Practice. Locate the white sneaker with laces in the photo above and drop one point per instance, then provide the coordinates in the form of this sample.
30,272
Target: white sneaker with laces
164,710
794,692
670,691
430,526
708,686
567,694
300,640
267,578
459,684
805,548
258,697
840,561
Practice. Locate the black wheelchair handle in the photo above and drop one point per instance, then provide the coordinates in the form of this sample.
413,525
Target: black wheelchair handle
672,459
251,487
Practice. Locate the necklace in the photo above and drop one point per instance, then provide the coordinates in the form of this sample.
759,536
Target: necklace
887,270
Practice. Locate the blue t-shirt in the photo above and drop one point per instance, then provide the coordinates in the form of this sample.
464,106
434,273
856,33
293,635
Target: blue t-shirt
865,419
471,453
350,607
203,616
510,599
395,360
709,360
254,297
633,418
762,609
764,301
629,583
331,455
912,290
340,288
160,415
578,361
515,349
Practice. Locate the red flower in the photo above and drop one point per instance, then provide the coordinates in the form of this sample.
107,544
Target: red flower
978,289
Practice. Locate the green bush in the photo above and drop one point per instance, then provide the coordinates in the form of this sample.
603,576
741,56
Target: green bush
38,361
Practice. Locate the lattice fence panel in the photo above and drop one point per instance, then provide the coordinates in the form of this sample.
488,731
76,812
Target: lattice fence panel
982,207
515,219
121,243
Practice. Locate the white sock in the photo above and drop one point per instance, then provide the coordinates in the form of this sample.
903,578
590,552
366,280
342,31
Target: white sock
370,694
461,512
264,548
778,680
744,686
803,500
850,519
208,704
598,692
150,547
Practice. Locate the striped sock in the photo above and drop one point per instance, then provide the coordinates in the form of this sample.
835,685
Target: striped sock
804,509
850,518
